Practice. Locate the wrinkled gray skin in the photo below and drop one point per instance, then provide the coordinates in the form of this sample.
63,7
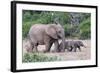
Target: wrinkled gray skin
68,45
72,45
77,44
40,34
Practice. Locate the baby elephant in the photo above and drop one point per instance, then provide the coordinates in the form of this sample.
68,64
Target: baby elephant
77,44
72,45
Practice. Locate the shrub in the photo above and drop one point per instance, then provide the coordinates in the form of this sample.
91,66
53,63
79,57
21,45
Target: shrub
85,29
37,57
25,29
76,25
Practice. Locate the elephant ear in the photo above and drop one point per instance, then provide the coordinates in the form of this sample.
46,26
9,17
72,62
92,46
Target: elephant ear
51,31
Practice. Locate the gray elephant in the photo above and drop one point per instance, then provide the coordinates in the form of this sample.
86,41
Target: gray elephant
72,45
68,45
40,34
77,44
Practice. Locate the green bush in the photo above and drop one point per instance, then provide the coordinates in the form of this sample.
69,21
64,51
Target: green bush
85,29
25,29
37,57
80,30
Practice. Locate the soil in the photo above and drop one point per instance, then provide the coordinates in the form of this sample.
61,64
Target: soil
84,54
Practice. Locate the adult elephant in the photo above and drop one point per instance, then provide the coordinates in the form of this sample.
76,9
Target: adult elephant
41,34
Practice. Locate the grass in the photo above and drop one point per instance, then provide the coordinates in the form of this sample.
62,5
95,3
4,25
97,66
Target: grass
39,57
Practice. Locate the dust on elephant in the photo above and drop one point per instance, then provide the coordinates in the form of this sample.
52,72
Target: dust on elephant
40,34
72,45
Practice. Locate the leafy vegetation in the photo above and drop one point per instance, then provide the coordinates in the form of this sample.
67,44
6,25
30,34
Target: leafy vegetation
75,24
85,29
37,57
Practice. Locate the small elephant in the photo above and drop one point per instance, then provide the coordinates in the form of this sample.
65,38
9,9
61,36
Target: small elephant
72,45
68,45
40,34
77,44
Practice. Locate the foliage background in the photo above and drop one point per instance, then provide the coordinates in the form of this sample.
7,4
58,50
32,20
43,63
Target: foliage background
76,25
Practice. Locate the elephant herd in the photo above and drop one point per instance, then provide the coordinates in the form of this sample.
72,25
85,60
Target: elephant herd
40,34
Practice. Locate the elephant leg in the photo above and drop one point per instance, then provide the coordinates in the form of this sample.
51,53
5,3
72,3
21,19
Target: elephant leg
71,48
30,48
56,46
35,48
79,48
75,48
68,49
48,46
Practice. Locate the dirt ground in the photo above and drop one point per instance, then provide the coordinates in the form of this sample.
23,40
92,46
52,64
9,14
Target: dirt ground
84,54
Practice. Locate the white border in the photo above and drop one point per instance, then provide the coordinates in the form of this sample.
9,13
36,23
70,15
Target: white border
21,65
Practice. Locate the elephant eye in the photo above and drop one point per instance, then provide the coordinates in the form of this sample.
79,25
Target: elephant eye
59,31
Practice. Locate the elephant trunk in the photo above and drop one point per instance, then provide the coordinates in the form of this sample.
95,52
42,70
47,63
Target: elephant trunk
63,44
84,46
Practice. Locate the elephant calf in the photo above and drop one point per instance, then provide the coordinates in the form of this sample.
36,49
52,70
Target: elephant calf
72,45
